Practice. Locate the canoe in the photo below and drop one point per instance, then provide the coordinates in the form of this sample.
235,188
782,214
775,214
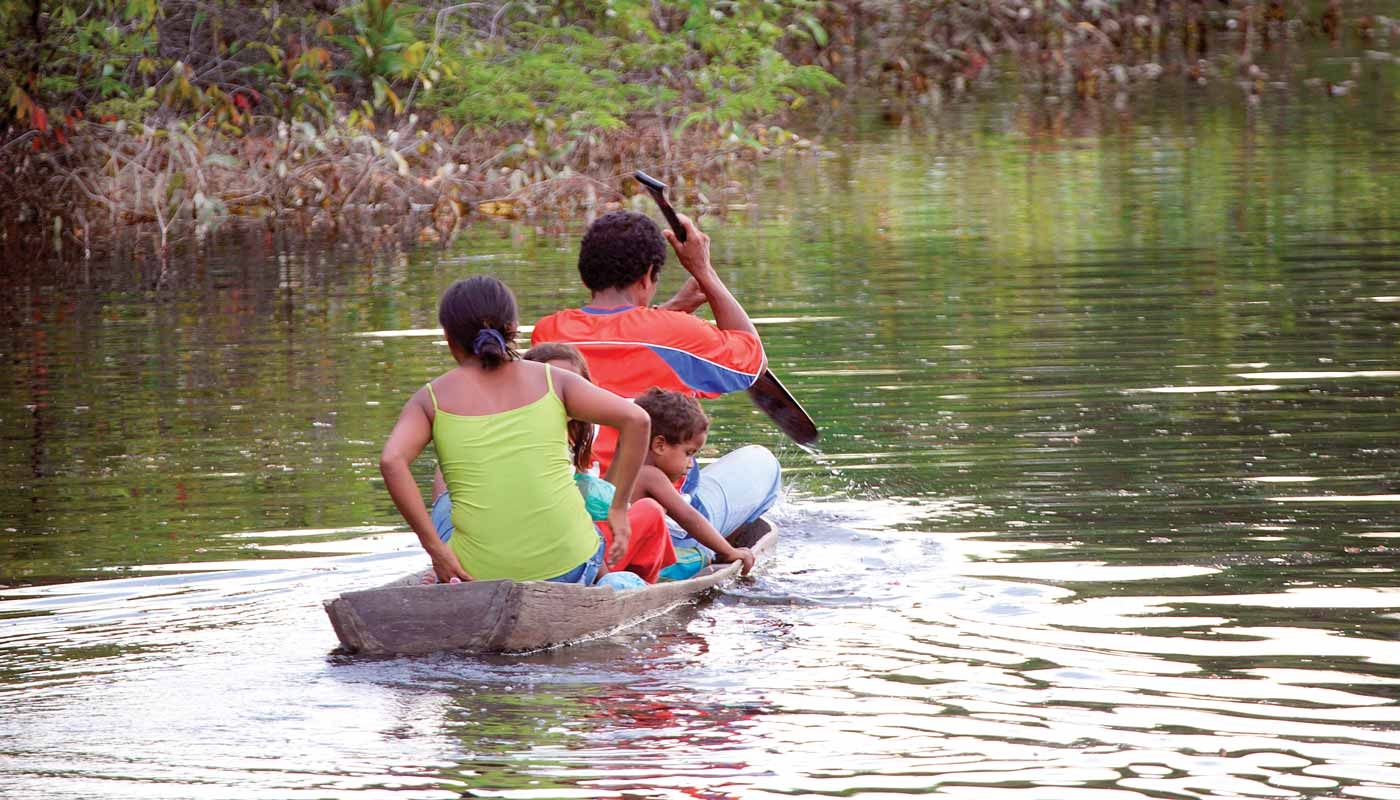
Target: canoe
407,617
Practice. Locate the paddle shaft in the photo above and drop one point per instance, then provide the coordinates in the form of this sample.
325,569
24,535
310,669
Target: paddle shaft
768,393
658,193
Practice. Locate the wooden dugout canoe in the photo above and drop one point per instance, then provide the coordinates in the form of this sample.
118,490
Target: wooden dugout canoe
406,617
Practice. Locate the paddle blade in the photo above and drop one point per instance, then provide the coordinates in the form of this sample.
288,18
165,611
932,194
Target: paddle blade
773,399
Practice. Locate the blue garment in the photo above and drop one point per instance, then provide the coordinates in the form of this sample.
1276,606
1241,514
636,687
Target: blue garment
442,516
597,494
622,581
585,573
732,492
689,562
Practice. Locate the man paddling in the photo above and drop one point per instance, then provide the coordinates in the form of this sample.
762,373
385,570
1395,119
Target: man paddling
632,346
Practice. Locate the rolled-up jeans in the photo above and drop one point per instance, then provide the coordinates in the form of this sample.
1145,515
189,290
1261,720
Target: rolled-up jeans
733,491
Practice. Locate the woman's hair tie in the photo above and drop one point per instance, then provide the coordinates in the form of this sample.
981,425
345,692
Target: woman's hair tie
485,337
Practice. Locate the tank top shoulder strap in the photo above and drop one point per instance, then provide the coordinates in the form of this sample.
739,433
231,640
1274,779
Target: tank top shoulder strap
549,384
433,395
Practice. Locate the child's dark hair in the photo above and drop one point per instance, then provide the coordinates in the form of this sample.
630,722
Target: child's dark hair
580,432
478,315
674,417
619,248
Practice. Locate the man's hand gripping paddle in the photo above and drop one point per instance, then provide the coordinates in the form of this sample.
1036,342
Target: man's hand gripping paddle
768,393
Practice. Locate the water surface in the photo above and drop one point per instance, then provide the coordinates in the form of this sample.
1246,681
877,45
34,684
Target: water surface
1105,505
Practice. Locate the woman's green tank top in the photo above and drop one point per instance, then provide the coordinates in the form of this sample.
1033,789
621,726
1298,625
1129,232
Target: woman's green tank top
515,510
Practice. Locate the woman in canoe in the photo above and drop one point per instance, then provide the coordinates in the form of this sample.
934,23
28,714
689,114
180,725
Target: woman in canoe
498,426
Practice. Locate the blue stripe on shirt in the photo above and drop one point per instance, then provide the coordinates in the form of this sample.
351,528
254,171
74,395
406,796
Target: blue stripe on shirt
605,311
702,375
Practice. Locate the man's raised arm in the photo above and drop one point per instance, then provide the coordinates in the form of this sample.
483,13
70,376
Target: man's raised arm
704,284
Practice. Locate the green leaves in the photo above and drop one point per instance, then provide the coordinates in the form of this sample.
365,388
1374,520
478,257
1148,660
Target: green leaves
380,40
141,10
812,27
384,95
612,65
558,71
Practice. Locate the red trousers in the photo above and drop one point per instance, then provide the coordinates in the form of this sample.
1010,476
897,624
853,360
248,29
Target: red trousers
649,550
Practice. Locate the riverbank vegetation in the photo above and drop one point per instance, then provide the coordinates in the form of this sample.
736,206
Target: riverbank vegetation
175,116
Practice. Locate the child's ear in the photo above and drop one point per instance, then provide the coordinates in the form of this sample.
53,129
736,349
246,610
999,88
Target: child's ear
658,443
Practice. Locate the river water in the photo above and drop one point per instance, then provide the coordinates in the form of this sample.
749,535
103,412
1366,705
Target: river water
1105,504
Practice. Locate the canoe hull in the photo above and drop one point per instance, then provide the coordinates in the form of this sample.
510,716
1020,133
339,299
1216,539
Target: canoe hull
406,617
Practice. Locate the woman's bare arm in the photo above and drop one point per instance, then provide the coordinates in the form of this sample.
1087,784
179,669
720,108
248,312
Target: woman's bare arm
583,400
410,435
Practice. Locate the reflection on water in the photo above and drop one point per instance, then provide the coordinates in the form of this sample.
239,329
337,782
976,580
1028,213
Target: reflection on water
1105,504
880,654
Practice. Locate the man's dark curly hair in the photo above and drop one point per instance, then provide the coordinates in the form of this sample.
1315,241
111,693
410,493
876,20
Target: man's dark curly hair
674,417
619,248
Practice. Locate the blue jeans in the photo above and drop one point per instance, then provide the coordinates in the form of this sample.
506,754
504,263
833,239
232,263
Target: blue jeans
732,492
585,573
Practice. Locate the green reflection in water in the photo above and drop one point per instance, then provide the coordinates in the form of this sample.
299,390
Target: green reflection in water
979,312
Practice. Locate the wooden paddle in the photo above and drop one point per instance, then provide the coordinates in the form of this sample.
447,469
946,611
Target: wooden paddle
768,393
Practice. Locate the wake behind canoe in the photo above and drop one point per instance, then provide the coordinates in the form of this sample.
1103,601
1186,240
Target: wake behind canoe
406,617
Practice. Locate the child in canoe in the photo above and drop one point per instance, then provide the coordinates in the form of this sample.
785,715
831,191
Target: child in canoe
679,428
649,550
498,424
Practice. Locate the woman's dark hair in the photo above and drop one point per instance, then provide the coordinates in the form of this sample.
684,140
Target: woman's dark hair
619,248
580,432
674,417
478,315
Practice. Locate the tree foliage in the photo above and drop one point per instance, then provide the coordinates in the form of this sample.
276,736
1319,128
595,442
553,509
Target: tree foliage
573,67
187,109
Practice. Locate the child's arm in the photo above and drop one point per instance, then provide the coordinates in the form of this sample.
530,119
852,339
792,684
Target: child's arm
583,400
411,434
651,482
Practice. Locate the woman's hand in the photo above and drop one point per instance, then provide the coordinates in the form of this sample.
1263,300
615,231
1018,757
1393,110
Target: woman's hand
446,566
621,536
583,400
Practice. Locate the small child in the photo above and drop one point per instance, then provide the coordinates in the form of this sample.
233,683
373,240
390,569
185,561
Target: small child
679,428
566,356
649,548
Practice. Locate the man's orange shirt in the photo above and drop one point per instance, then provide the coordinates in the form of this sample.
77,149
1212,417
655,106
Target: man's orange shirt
631,349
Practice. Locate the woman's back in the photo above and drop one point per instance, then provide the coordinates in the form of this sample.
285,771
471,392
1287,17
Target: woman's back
477,392
501,442
499,429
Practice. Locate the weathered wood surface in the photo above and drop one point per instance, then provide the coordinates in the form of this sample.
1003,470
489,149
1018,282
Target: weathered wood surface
407,617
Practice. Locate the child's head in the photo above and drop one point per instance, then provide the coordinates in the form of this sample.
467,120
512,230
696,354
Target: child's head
679,428
566,356
478,315
619,249
558,354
